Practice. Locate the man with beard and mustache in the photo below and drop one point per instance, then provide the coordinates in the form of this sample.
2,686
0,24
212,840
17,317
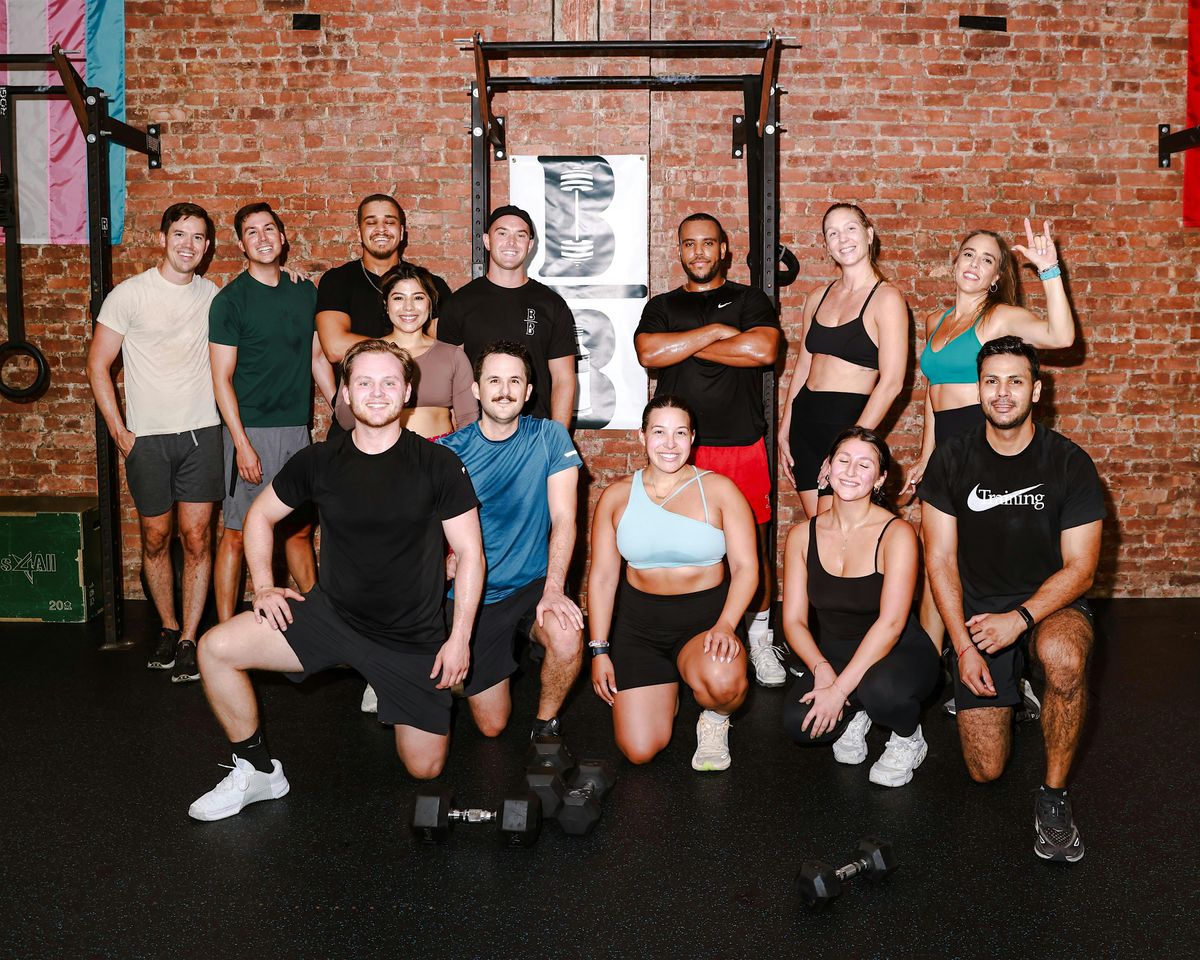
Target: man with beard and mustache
1011,522
386,497
710,341
349,304
506,304
526,473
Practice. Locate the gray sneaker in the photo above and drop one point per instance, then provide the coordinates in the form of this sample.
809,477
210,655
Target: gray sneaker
1055,835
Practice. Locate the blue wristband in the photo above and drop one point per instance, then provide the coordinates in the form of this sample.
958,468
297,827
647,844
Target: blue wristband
1052,271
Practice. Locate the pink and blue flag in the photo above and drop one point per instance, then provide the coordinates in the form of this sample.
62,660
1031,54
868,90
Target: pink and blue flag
51,158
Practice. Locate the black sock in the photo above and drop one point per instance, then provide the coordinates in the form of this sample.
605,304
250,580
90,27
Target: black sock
254,750
1056,792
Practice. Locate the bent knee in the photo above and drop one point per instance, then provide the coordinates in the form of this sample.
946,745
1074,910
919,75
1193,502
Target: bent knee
491,727
214,646
981,773
423,769
562,644
640,751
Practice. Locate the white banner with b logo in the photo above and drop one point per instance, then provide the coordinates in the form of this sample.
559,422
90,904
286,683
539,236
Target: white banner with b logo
591,215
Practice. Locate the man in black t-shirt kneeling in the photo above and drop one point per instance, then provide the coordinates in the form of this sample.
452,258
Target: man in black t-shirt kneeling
1011,522
385,497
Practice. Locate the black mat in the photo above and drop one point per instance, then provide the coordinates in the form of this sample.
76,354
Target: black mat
101,860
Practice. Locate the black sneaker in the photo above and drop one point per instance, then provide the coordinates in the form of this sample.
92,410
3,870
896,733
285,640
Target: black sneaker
546,728
1055,835
163,657
185,663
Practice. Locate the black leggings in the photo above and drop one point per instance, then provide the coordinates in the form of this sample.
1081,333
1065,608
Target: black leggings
891,691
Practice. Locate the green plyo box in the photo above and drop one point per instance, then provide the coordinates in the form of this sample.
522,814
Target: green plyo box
49,559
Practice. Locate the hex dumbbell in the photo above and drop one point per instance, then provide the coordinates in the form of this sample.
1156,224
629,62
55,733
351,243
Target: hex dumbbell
581,804
519,819
550,765
820,884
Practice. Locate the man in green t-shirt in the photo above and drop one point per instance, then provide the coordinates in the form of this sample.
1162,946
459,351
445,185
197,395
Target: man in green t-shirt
265,357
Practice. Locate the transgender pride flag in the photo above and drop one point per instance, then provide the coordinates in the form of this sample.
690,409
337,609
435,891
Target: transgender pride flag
51,161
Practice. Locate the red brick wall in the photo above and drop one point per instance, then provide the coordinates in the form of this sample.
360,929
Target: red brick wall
933,129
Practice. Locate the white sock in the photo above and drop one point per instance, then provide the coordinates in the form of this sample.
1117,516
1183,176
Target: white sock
758,626
715,717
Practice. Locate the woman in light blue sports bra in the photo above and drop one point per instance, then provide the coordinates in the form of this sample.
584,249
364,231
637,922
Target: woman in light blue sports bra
675,615
987,305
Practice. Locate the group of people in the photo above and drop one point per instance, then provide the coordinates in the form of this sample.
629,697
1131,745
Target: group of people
446,494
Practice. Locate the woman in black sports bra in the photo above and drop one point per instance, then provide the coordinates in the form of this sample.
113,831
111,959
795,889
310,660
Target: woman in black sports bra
850,574
853,352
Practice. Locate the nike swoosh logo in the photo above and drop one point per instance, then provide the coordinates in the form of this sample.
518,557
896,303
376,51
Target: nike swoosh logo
721,306
979,504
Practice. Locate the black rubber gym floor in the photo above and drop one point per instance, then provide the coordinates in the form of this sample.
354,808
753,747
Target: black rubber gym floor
101,860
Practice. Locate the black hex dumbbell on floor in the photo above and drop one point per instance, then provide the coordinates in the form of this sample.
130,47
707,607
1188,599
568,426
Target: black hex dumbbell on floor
519,819
581,805
550,765
820,884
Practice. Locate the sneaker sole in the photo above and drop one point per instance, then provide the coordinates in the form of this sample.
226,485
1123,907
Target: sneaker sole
185,677
160,665
879,779
852,759
770,683
209,816
712,767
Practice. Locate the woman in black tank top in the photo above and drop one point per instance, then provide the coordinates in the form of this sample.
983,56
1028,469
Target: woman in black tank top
853,352
849,576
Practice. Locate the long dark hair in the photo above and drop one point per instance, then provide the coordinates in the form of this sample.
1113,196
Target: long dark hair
1008,284
410,271
881,451
875,247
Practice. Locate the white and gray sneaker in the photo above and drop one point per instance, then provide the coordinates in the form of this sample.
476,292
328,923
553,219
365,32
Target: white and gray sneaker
370,702
851,746
242,785
901,757
768,661
712,743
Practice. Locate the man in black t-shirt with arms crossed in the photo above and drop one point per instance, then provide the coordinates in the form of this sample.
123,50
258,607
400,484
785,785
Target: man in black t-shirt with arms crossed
1011,522
505,304
385,497
709,341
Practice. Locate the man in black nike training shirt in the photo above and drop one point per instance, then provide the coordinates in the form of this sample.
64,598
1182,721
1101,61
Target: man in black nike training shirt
1011,522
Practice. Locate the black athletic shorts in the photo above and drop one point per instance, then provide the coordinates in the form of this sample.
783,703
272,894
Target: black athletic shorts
321,639
650,630
1007,667
817,418
164,469
493,640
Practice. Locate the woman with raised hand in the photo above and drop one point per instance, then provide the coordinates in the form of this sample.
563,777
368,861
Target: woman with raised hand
987,305
853,352
850,573
677,613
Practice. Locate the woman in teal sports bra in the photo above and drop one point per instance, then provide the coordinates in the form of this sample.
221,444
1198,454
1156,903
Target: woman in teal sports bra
987,305
675,615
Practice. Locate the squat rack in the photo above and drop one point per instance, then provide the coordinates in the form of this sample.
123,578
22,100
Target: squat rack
754,135
90,105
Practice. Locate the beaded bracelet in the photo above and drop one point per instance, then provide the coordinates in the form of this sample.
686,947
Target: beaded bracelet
1052,271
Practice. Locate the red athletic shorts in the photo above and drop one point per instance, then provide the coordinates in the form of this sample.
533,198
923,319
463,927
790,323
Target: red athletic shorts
747,468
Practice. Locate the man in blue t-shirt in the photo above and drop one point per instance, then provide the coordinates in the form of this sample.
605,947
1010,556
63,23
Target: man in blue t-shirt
526,473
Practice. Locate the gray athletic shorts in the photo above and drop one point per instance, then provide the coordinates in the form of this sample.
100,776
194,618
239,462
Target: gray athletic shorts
275,446
168,468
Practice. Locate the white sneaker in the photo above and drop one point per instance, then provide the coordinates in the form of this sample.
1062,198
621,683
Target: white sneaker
242,785
768,661
370,702
712,744
851,746
901,757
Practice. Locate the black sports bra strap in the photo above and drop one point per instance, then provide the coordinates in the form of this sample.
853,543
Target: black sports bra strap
880,540
863,312
821,301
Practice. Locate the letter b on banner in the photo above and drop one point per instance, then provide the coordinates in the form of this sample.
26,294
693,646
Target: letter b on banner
579,241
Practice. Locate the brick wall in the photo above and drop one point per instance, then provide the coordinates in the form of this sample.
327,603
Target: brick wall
933,129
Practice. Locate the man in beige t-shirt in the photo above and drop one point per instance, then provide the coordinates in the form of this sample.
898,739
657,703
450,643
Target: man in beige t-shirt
170,435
